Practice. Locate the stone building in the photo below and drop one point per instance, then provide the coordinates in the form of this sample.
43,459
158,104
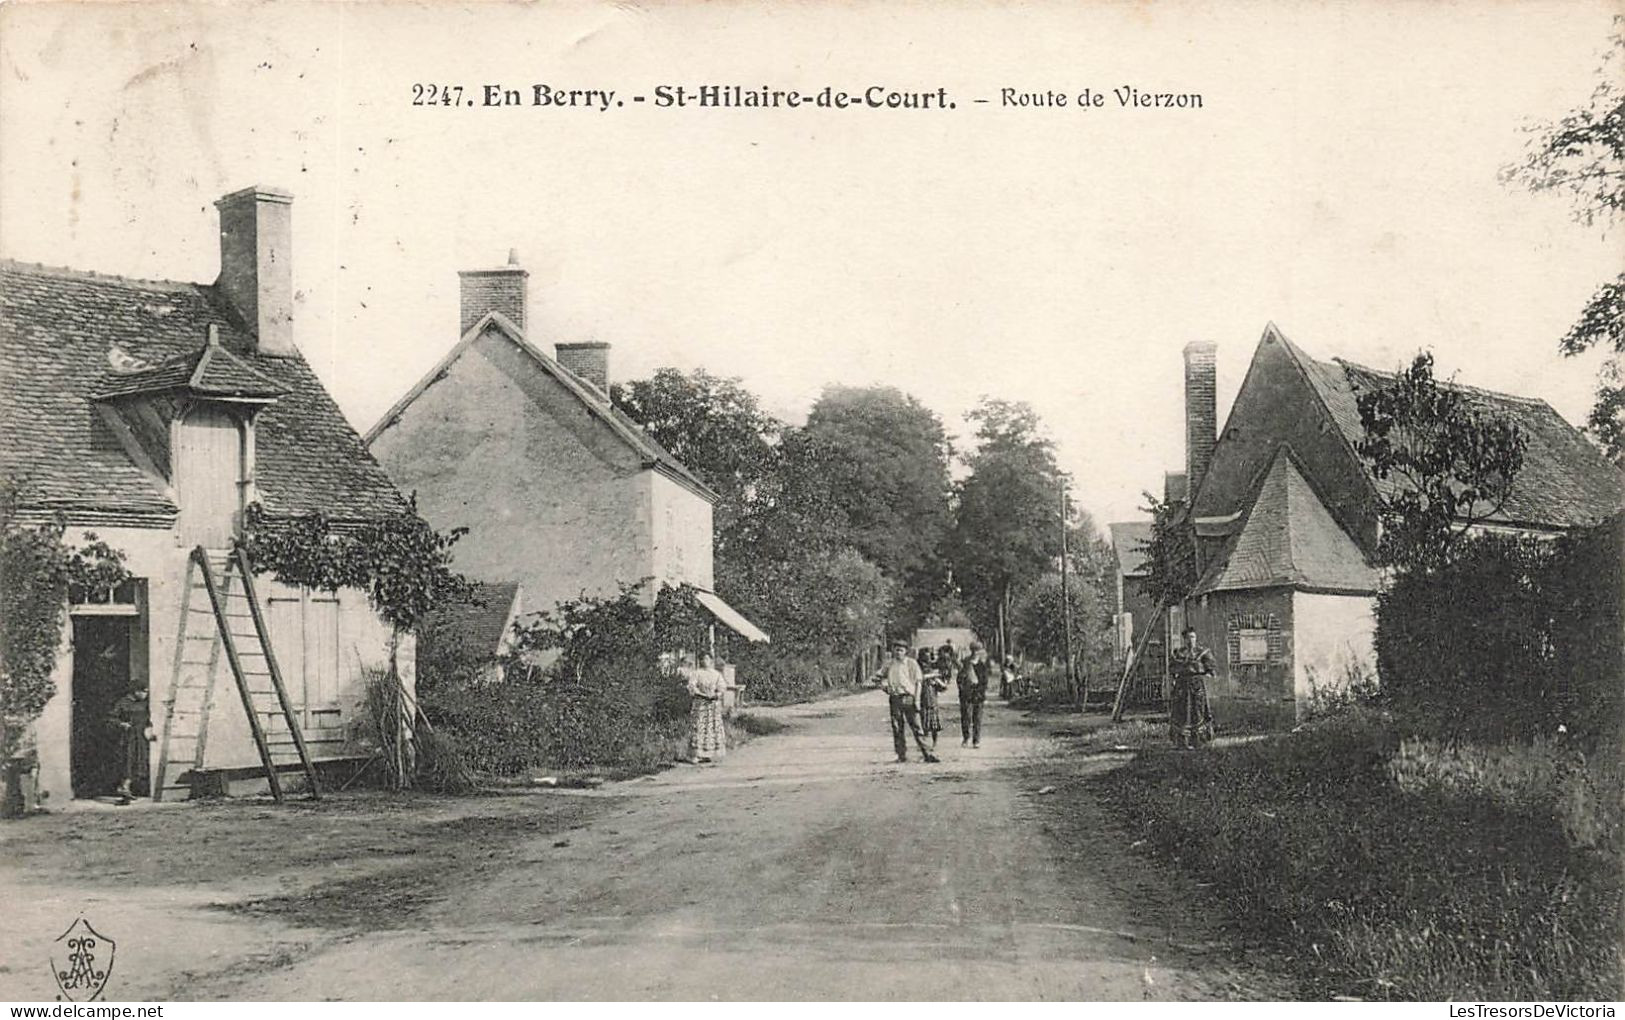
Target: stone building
1285,516
561,491
152,412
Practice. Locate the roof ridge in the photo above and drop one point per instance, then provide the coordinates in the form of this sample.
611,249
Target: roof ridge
93,276
1482,391
596,401
212,349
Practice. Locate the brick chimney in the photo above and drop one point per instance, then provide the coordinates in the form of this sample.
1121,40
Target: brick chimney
587,360
256,264
1201,411
494,290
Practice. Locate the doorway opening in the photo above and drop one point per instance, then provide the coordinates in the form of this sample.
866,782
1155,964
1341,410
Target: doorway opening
105,678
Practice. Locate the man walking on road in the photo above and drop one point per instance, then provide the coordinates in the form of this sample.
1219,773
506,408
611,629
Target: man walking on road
972,695
901,678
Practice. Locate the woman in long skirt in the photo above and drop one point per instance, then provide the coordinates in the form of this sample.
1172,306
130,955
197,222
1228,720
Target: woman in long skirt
707,739
930,715
1190,720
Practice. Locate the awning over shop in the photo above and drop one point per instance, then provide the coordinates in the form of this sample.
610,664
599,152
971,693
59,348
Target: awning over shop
729,617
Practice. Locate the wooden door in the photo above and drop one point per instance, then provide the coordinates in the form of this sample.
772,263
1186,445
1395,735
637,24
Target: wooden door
209,476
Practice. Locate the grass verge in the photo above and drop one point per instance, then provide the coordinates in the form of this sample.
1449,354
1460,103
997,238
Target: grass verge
1368,878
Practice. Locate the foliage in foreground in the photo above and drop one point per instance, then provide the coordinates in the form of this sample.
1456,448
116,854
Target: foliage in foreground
1512,639
1386,865
40,570
605,700
1582,154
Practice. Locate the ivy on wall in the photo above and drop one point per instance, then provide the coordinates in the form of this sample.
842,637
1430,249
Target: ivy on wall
37,572
402,563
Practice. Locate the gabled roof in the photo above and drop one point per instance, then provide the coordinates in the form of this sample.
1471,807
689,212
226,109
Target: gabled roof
1128,542
1288,539
210,371
480,624
57,327
598,404
1565,481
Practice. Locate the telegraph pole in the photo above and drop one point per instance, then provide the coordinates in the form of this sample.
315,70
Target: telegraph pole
1066,605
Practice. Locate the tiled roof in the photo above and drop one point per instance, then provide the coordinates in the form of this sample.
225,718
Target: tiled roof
596,401
1289,539
1564,482
56,329
480,623
1128,541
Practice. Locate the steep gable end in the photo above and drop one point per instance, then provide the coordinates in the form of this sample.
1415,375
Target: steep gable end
1280,404
1128,542
1289,539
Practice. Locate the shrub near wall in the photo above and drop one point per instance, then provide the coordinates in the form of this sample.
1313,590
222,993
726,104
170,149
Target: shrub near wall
604,702
778,676
1510,640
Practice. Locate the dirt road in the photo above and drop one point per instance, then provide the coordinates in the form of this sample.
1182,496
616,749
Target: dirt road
809,865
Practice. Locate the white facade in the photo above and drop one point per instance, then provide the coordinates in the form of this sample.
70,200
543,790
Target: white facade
325,644
1334,644
682,533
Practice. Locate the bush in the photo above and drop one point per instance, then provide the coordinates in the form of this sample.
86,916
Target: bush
606,700
1040,687
782,676
1510,640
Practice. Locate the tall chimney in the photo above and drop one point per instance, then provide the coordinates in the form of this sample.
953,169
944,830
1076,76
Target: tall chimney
494,290
588,360
256,264
1201,411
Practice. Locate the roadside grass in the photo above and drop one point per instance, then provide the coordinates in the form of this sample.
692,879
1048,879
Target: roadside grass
656,747
1382,865
1128,735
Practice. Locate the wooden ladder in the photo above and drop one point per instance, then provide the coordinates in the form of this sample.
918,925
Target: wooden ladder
219,586
1134,660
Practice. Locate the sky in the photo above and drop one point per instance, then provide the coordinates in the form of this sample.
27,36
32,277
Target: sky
1339,180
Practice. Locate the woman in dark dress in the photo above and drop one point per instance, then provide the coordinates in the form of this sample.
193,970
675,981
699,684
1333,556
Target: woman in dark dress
930,716
1190,720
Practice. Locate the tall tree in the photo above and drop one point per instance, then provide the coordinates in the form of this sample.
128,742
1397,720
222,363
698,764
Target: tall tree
1008,532
714,427
1583,155
1452,462
877,460
783,551
1170,553
1037,615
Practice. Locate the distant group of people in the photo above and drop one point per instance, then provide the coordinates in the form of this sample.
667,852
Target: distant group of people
914,685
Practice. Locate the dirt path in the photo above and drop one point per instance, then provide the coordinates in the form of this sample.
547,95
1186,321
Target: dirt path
808,866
